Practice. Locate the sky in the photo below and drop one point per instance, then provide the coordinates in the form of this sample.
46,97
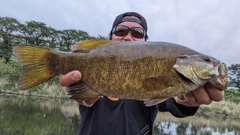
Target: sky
211,27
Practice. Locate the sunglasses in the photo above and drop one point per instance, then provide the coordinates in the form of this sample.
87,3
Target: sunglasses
122,30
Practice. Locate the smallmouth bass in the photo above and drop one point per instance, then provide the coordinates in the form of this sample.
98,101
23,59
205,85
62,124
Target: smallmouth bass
149,71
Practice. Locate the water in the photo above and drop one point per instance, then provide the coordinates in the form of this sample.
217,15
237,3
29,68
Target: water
175,128
38,116
31,116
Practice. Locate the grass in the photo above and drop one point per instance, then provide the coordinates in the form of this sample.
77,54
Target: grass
229,107
199,121
225,113
232,95
224,109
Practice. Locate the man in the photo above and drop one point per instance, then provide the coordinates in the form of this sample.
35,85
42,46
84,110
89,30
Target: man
113,116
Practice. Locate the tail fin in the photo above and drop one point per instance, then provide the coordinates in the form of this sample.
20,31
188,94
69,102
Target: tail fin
34,62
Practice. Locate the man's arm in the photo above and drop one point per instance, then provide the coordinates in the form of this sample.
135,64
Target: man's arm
176,109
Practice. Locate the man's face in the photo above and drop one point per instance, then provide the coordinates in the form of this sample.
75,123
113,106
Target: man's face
128,36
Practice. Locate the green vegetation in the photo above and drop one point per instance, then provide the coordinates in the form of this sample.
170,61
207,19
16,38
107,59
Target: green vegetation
234,75
223,109
228,108
232,96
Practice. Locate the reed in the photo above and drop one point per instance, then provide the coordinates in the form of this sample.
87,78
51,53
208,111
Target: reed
199,121
225,109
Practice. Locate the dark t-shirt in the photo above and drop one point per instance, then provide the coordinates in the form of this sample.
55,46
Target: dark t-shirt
125,117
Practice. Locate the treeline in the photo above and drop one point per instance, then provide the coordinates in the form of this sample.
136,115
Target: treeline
13,32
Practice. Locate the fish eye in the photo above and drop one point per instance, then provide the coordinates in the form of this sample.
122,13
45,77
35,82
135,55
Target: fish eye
207,59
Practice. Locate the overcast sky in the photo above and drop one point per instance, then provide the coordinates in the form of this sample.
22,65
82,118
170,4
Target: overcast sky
211,27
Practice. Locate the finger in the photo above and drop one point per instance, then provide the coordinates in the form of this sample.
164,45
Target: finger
181,100
214,93
70,78
191,99
186,99
202,96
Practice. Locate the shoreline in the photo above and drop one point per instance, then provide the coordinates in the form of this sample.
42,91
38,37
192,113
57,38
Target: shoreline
30,95
223,109
199,120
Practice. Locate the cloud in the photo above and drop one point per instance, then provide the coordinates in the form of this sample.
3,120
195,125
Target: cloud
208,26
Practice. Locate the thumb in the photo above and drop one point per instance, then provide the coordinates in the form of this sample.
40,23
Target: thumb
70,78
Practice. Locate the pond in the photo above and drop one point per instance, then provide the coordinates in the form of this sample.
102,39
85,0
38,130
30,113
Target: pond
41,116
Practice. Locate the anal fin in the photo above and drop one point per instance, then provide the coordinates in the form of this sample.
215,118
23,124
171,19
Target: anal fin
80,91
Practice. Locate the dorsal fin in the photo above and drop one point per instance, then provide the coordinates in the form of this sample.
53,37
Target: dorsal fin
86,45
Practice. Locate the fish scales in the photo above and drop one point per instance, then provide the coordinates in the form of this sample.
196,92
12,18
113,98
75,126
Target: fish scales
118,69
149,71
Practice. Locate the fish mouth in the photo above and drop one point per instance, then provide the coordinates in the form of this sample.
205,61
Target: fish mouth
220,79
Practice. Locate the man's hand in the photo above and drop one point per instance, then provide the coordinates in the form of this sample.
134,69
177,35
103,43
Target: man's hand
73,77
203,95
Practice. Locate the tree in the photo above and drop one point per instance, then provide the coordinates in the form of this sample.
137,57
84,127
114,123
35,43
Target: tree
8,24
234,74
8,27
71,37
35,33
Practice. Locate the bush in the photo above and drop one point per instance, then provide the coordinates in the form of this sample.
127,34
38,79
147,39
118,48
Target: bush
10,71
232,95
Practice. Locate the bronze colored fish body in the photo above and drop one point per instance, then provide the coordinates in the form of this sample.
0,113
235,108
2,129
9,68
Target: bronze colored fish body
149,71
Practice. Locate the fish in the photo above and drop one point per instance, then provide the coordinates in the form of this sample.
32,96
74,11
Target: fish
148,71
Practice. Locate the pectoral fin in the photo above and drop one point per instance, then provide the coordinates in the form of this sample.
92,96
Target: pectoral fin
158,82
155,101
80,91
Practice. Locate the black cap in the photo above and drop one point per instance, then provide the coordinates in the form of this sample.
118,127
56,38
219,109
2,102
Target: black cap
121,18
